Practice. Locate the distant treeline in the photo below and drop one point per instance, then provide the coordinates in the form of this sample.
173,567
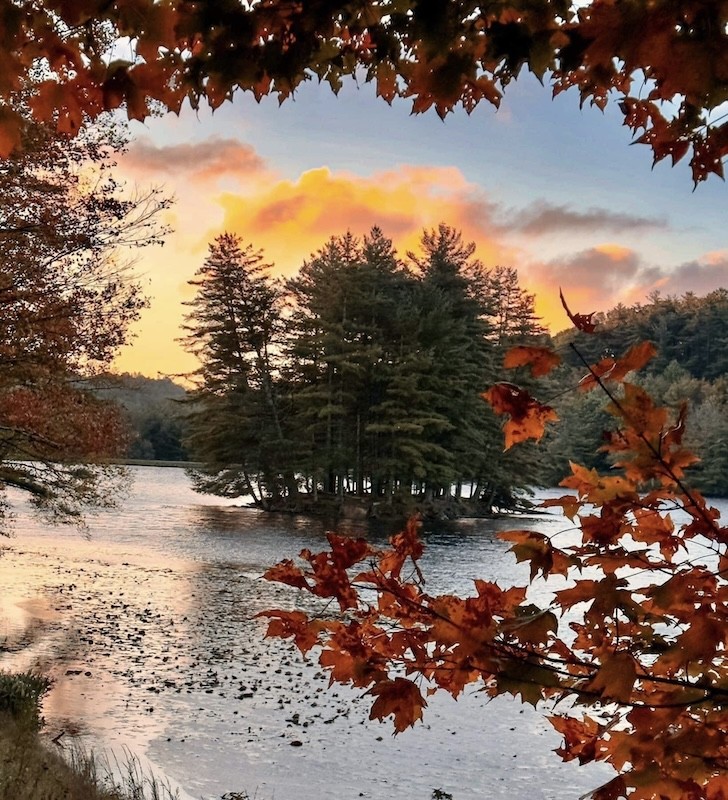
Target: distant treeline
153,411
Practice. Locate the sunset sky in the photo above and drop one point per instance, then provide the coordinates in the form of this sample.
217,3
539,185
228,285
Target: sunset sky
555,191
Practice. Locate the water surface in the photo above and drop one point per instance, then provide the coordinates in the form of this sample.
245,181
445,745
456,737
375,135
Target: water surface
148,627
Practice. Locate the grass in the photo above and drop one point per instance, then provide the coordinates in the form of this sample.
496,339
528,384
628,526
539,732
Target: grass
33,769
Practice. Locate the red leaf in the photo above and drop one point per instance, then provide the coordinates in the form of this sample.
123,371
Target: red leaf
581,321
528,416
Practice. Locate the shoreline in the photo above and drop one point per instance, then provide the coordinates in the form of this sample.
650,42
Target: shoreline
56,758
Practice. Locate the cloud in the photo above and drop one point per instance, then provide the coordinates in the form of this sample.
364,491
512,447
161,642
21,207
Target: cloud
699,276
599,278
604,268
592,279
542,218
291,219
208,161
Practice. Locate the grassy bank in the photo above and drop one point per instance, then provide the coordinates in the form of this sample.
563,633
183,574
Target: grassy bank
32,768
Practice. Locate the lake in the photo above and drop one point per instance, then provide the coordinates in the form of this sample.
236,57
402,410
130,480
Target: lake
147,627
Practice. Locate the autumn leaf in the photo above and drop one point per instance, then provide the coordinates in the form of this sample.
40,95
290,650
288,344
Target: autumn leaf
610,369
296,624
346,552
528,417
581,737
286,572
532,625
615,678
541,360
405,544
582,322
350,655
399,698
538,550
568,503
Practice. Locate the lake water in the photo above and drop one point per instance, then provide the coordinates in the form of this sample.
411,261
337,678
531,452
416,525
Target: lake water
147,627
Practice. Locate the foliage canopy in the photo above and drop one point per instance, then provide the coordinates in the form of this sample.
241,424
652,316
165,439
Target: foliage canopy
665,61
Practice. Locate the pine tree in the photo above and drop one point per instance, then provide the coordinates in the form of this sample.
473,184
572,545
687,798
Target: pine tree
237,426
455,333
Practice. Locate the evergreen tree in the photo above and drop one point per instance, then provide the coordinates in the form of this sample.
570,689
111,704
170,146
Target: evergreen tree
511,308
454,333
326,357
236,426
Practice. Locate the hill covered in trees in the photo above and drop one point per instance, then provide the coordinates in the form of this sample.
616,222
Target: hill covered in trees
691,337
153,411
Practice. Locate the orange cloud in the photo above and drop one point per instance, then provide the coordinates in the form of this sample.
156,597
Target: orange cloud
292,219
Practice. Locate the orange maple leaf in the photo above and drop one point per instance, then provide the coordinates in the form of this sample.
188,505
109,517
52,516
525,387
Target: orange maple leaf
541,360
528,416
400,698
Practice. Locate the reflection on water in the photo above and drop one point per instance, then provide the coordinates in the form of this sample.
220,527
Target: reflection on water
148,627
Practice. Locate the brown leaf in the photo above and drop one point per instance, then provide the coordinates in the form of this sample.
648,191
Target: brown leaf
541,360
400,698
582,322
615,678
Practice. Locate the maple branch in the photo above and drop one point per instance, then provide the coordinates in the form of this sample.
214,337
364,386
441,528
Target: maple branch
658,456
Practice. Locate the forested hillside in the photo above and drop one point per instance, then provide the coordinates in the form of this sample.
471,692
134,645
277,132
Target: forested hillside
153,413
691,337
